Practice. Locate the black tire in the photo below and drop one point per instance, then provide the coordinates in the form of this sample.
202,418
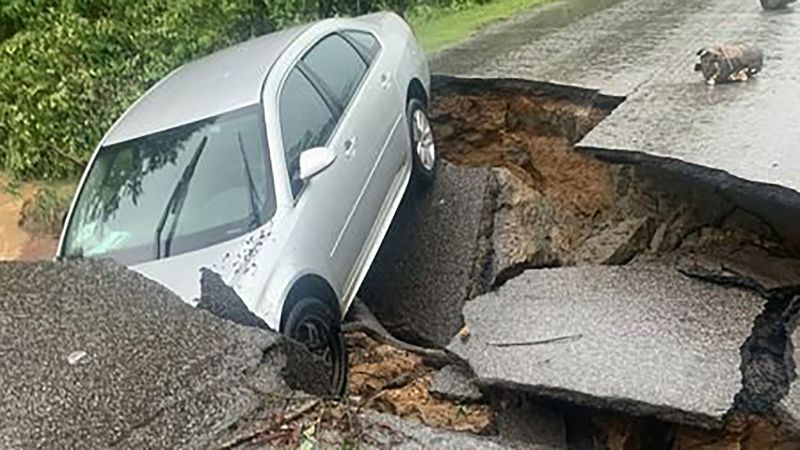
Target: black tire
311,315
420,174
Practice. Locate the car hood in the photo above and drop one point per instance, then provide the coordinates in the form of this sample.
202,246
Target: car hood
242,263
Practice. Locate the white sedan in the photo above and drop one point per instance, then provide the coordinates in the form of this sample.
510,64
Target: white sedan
278,163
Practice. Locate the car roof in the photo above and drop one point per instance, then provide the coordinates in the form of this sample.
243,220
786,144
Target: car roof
220,82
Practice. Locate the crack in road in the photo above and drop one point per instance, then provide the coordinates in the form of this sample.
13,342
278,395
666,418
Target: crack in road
768,366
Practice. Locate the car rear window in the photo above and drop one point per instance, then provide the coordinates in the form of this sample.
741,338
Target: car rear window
129,186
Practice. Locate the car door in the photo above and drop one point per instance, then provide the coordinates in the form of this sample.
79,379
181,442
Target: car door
367,108
381,113
318,212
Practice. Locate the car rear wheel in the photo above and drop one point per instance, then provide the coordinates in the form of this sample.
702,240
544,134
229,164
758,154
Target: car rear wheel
423,148
315,324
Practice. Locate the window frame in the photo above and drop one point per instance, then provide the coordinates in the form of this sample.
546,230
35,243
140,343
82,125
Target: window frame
369,59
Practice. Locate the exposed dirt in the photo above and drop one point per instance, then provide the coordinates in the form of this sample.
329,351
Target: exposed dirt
395,381
555,206
743,432
528,138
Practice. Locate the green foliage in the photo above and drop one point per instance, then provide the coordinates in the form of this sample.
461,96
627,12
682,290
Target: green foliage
69,68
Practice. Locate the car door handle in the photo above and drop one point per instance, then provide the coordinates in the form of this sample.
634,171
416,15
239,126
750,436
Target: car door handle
386,80
350,147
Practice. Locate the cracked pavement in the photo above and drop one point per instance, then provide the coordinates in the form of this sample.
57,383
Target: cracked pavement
735,140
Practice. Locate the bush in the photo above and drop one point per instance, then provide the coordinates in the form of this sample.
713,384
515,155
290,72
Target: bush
69,68
73,69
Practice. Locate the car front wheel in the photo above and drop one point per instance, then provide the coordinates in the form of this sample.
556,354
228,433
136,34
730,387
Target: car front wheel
423,148
316,325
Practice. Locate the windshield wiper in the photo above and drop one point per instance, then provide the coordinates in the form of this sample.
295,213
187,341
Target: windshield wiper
175,202
255,216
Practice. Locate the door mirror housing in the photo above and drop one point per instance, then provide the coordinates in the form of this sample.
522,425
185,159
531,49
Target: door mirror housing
315,160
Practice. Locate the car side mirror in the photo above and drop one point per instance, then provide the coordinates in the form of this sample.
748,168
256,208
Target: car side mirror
314,161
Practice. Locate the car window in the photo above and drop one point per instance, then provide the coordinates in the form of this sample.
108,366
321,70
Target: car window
366,43
129,186
306,122
338,66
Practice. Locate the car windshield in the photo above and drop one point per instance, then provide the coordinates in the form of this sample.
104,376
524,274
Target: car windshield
175,191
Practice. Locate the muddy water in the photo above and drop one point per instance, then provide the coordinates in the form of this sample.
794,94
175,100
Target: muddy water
16,243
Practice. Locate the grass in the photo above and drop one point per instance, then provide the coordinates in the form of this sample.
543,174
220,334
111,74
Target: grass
439,28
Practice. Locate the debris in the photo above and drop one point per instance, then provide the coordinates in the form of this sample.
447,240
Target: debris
221,300
454,383
464,334
360,319
283,419
748,266
617,244
395,381
560,339
381,431
76,357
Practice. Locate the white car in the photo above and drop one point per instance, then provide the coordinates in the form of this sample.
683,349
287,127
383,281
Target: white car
277,163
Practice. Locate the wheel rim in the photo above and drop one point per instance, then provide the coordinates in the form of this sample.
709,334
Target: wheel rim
423,136
314,333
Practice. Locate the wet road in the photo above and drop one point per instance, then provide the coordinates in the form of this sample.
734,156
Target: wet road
645,51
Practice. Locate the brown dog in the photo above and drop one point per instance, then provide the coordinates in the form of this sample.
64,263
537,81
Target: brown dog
729,62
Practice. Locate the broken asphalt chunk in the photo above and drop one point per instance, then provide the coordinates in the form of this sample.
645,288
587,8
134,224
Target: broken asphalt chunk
157,373
430,262
640,339
455,383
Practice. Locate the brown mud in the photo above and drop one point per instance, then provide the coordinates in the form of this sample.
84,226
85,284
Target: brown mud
17,241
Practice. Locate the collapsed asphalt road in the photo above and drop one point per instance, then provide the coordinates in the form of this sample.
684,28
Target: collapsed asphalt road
694,328
705,189
690,342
